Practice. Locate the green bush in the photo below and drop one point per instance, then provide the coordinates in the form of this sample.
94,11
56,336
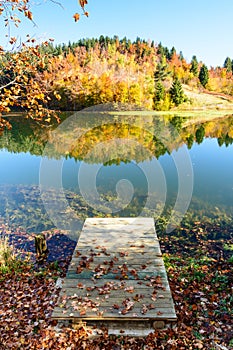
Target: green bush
9,259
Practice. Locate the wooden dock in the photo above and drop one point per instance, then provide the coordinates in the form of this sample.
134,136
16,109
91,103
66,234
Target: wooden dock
117,278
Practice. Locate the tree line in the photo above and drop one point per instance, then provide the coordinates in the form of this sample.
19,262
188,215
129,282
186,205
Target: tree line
73,76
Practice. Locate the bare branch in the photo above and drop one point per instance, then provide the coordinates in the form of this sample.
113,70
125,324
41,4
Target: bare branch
57,3
12,82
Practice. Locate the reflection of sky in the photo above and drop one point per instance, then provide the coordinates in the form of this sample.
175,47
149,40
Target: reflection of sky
19,168
213,171
212,166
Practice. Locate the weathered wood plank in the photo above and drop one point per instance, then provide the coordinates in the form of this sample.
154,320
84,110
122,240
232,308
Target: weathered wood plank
126,222
72,301
113,284
120,244
132,260
116,274
118,252
110,313
160,299
113,264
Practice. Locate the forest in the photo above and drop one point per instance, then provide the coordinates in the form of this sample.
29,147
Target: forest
42,78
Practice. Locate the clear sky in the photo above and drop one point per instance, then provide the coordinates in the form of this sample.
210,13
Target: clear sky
202,27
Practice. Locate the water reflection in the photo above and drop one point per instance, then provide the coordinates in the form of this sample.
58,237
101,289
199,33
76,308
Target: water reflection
118,146
156,135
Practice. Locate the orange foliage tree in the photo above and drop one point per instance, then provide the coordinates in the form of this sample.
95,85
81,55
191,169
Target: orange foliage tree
97,75
19,83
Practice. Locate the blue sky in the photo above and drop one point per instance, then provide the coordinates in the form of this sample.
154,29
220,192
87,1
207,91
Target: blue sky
202,27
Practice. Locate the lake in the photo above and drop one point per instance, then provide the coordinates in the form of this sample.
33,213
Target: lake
177,169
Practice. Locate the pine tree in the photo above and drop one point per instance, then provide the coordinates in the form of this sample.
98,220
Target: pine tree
181,56
160,49
204,75
194,66
190,140
171,53
200,134
176,92
161,72
159,95
227,64
159,91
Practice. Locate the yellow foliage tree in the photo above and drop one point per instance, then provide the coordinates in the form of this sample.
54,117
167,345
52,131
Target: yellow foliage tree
19,82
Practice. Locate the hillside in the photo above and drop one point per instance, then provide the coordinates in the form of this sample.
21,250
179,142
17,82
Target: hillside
93,71
206,100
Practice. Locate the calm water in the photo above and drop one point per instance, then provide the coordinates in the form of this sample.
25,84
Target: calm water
115,166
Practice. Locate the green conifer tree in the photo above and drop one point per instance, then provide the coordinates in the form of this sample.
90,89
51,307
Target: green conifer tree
159,91
227,64
204,75
161,71
200,134
159,95
176,92
194,66
190,140
181,56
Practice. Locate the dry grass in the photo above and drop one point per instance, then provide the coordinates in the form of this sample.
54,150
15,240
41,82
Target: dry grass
9,258
202,100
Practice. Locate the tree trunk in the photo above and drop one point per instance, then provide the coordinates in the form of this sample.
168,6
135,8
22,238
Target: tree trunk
41,248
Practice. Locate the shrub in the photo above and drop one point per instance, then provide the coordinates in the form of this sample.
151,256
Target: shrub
9,259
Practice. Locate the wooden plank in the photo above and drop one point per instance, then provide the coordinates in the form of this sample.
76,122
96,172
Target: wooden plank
119,243
118,252
103,294
139,260
110,313
116,274
113,284
116,270
127,222
115,262
72,300
102,264
111,276
82,301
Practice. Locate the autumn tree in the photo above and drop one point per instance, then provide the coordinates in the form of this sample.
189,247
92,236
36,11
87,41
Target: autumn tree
19,83
204,75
